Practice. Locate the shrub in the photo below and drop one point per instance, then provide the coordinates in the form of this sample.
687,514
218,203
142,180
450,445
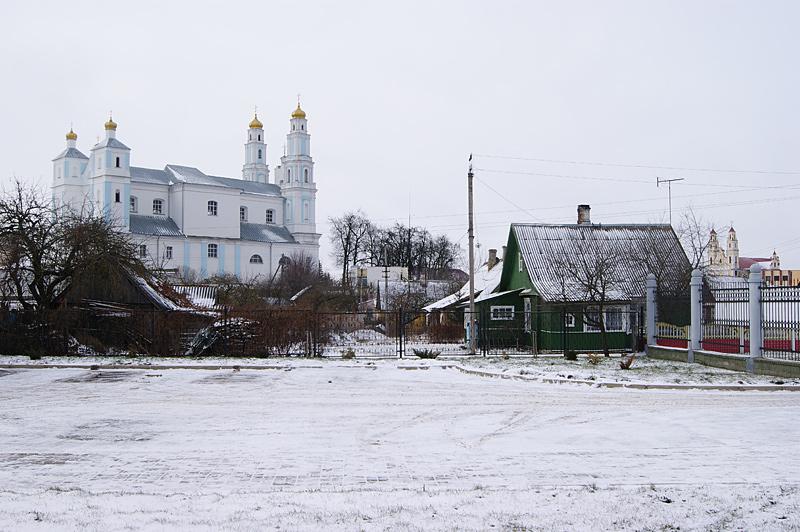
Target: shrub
426,353
570,354
627,362
594,359
348,353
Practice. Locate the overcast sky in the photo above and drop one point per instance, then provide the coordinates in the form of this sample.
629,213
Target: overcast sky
399,94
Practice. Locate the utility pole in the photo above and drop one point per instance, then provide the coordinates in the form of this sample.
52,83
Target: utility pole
669,191
471,232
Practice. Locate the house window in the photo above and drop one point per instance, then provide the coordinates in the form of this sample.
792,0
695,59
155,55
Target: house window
117,197
242,214
212,208
259,153
306,174
521,264
270,216
256,259
142,251
168,253
212,251
158,206
134,204
569,321
502,312
614,319
117,162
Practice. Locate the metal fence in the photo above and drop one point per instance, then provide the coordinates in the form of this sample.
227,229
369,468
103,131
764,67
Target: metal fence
726,317
673,316
780,311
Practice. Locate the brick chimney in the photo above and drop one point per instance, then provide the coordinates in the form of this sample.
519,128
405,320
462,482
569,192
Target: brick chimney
492,259
583,214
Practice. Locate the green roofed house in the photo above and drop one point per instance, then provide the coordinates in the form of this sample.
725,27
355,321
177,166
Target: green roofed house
578,286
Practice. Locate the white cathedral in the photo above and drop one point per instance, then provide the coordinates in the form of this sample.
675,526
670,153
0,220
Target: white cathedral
188,221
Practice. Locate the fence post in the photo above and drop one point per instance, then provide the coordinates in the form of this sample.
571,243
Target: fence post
650,308
756,332
696,302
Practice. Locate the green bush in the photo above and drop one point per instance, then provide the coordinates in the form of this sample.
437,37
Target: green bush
570,354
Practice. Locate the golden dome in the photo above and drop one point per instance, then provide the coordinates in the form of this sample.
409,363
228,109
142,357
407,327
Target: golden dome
256,123
72,135
298,113
111,124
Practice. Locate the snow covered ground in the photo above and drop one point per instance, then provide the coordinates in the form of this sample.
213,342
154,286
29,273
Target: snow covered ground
374,447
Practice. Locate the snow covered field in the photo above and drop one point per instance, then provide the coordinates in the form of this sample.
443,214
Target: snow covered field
373,447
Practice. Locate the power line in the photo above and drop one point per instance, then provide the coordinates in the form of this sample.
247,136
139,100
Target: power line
648,166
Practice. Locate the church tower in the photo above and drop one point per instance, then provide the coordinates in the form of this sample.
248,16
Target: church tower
69,186
775,261
110,177
733,251
255,153
297,181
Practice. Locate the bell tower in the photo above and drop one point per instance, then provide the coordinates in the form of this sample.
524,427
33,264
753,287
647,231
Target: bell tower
255,153
297,180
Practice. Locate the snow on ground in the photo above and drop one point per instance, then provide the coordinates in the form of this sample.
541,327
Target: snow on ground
374,447
644,370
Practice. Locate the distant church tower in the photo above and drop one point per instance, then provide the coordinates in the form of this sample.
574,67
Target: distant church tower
69,186
255,153
297,180
733,251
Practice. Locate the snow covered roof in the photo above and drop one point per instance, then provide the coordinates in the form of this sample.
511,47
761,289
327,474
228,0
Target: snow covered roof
546,248
150,176
265,233
485,296
485,280
154,225
74,153
202,296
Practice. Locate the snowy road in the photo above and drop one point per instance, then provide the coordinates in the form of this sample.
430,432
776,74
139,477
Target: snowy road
76,445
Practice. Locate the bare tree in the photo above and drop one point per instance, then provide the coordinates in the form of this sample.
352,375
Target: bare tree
694,233
591,276
46,250
350,234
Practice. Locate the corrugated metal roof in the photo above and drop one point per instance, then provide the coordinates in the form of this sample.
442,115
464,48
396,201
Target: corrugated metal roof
251,187
265,233
75,153
486,280
154,225
187,174
546,249
191,175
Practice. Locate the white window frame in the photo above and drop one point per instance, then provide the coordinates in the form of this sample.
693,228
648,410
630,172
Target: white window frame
521,262
502,312
160,206
588,327
242,213
569,320
260,259
168,253
212,251
213,207
270,216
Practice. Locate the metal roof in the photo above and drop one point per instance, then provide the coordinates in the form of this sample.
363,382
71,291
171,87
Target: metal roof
265,233
634,248
187,174
154,225
110,143
150,176
75,153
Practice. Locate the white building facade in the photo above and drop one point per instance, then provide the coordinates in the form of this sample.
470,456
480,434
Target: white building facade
183,219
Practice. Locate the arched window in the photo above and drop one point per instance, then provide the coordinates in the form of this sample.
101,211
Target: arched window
259,137
259,153
134,204
289,175
305,211
306,174
158,206
256,259
212,208
270,216
302,126
292,127
117,196
242,214
212,251
117,163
